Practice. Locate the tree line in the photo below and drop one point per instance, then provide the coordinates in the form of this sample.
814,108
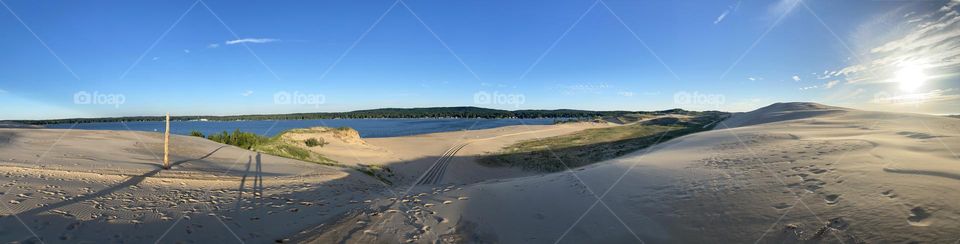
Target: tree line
383,113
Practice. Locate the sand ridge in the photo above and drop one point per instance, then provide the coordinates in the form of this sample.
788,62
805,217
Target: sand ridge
817,174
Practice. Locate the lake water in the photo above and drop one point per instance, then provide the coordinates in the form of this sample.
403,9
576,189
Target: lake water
368,128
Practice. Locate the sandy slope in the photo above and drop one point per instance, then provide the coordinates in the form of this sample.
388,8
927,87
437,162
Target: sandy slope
68,186
788,173
106,187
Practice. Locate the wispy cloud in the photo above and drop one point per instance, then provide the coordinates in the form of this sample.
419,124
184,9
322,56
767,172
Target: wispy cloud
938,95
721,17
831,84
488,84
728,11
795,78
625,93
782,7
213,45
929,42
594,88
246,93
251,40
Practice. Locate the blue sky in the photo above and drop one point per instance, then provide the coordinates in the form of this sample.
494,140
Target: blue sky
252,57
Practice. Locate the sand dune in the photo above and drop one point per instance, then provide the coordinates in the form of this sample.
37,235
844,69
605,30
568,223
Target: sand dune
72,186
68,186
791,172
782,112
787,173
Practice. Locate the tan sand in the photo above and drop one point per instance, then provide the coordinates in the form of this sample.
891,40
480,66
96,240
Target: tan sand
415,154
411,156
802,173
68,186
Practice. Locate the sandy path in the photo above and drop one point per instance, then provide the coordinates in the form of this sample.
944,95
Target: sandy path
414,156
434,174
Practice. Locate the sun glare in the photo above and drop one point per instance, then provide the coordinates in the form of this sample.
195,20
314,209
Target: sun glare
910,77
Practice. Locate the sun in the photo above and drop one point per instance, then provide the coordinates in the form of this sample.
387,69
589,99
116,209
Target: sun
910,77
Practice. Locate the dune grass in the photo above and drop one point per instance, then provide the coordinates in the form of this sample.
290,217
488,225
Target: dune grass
278,146
589,146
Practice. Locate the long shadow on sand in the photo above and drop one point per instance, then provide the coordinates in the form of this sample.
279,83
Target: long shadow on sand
257,180
134,180
52,227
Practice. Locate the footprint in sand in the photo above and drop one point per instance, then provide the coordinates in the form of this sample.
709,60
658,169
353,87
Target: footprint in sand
919,217
782,205
832,199
838,223
815,170
889,193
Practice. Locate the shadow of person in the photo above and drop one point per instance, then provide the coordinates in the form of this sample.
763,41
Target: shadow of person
258,180
257,188
243,183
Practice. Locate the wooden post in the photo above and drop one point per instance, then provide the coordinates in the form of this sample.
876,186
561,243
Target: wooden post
166,144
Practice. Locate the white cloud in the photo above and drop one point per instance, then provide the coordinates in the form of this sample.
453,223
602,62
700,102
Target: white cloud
246,93
488,84
857,92
938,95
831,84
156,58
728,11
929,42
213,45
595,88
721,17
251,40
625,93
809,87
796,78
782,7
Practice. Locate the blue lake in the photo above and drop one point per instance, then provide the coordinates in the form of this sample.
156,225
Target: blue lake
368,128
